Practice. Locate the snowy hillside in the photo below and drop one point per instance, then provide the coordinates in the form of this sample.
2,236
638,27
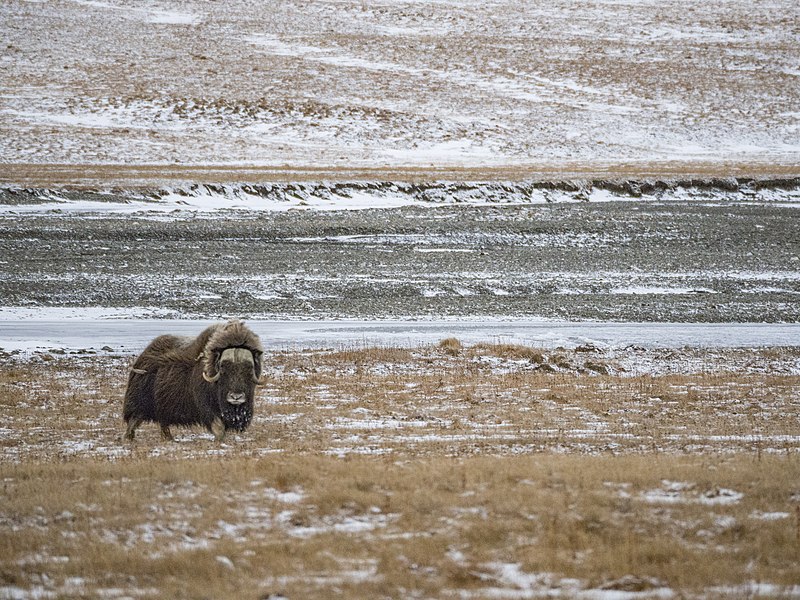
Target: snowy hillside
384,84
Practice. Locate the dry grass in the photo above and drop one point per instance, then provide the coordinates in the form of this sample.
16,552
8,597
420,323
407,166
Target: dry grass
372,526
396,473
509,351
450,399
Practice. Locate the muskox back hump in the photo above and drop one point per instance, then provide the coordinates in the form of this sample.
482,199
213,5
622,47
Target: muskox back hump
140,393
160,348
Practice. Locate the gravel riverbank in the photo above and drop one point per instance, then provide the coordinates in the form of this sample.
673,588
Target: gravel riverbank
668,255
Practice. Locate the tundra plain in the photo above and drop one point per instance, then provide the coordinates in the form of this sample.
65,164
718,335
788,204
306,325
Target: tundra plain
477,471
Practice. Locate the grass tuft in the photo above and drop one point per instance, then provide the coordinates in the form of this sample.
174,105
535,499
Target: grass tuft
451,346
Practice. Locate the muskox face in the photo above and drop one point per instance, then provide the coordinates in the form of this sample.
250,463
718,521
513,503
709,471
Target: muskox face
235,373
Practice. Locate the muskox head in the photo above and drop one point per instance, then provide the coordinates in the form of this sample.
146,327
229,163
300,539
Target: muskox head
232,368
234,373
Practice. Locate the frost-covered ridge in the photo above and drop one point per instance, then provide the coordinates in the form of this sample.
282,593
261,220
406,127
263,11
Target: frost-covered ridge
387,194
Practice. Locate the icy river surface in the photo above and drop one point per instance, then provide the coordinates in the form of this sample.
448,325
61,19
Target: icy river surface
128,336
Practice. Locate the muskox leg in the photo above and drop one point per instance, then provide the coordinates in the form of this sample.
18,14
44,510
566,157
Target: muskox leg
218,429
134,422
166,434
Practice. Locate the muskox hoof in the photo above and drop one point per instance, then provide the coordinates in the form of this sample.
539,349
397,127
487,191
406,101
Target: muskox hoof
130,432
218,429
166,434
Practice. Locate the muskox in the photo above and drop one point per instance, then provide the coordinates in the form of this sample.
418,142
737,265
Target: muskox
209,380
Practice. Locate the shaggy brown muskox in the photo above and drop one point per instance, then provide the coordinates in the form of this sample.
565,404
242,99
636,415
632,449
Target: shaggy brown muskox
209,380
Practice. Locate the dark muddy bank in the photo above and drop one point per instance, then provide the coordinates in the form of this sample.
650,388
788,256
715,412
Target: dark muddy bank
494,192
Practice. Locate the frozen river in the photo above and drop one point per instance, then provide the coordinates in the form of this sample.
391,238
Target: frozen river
130,336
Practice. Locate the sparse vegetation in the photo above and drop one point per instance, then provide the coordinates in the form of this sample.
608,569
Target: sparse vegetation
511,351
304,525
387,473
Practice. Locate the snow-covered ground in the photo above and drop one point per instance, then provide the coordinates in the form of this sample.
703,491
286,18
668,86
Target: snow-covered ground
419,83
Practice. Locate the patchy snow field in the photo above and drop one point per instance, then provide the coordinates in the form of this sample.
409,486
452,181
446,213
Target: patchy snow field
401,83
449,471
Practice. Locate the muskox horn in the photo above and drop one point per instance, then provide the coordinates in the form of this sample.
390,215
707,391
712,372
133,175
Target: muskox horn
210,365
243,355
236,355
211,379
233,355
257,368
229,354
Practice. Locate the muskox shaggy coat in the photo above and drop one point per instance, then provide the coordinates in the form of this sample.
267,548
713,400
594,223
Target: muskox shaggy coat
209,380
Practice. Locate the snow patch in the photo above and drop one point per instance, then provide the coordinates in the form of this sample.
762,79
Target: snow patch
150,15
681,492
769,516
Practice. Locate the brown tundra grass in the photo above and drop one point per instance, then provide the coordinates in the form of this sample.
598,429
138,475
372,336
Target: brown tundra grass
411,473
